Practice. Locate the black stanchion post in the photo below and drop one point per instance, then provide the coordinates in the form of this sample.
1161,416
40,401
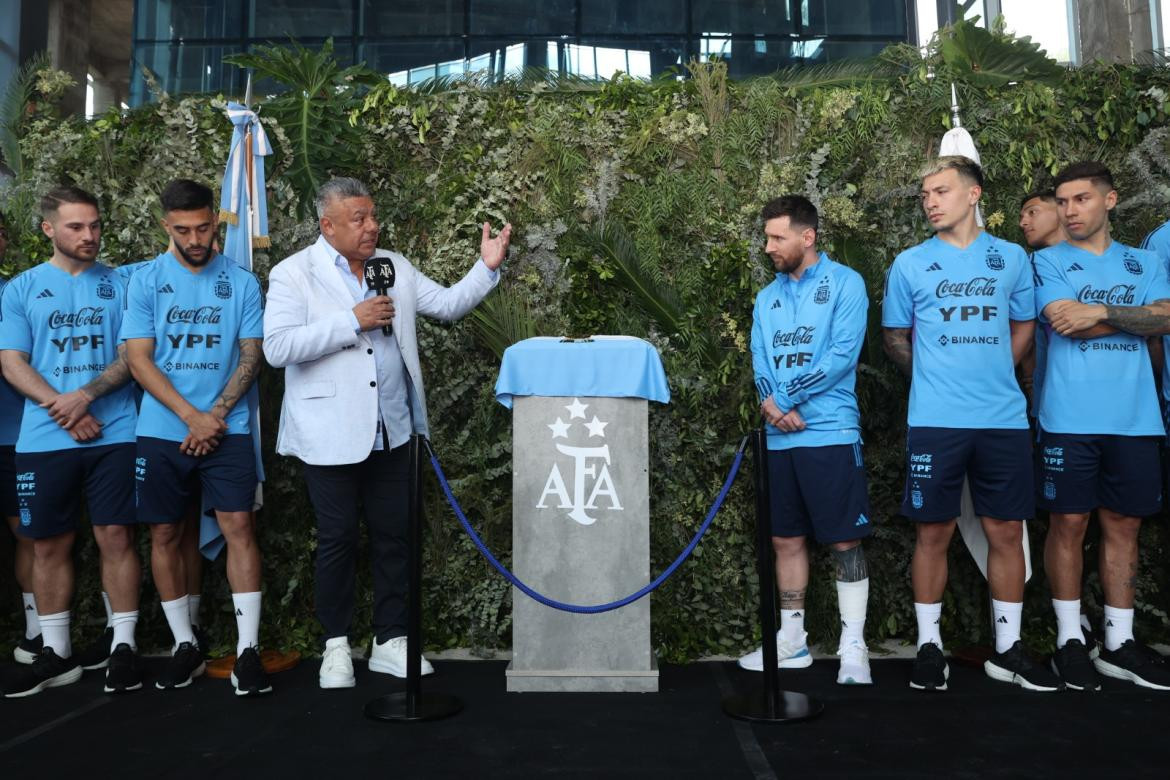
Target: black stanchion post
411,705
770,705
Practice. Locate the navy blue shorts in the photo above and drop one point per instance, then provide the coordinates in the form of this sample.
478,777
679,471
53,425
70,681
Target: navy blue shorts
997,464
819,492
168,479
8,502
1078,472
50,485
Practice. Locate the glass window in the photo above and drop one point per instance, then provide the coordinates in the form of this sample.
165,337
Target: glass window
854,17
186,68
166,20
523,17
751,17
280,19
410,62
624,17
412,17
643,57
1044,21
508,57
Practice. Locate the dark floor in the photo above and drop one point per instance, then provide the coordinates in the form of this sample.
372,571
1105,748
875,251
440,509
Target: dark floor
979,728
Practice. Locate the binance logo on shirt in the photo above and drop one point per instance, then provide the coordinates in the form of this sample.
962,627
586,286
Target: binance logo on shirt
223,286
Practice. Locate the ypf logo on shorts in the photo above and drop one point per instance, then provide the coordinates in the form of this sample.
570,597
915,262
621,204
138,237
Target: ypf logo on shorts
140,469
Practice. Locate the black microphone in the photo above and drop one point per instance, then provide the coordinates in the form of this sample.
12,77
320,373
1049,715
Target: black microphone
379,273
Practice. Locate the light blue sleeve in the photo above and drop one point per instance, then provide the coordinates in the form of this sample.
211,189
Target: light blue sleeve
1023,301
138,321
760,367
1159,286
848,333
1051,283
898,302
252,319
15,332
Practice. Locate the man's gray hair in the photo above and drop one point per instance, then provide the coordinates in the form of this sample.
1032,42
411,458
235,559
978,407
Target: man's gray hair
340,187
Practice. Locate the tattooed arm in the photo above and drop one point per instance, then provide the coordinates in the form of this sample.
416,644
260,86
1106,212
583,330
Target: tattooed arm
1089,320
67,409
899,348
241,380
1150,320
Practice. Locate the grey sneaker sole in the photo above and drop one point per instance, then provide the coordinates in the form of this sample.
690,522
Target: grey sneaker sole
337,682
22,656
257,692
65,678
798,662
996,672
125,689
1068,684
1119,673
394,669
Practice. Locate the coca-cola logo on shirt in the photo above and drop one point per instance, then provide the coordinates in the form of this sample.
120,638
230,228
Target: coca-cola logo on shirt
199,315
1117,295
979,285
801,335
86,315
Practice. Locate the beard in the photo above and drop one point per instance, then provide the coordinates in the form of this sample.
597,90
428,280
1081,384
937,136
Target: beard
77,252
198,262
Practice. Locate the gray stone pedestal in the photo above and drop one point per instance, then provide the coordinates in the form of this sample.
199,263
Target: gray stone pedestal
580,534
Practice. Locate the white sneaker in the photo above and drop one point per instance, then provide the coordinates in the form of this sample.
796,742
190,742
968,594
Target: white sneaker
854,665
389,657
337,664
789,655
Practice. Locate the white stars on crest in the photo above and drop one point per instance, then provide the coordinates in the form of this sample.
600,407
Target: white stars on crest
577,409
560,428
596,427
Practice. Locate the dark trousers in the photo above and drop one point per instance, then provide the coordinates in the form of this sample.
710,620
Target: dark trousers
379,488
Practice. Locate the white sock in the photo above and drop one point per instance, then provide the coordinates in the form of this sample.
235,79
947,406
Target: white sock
1068,621
852,598
109,609
929,616
124,625
1007,623
32,625
193,608
55,632
1086,626
1118,627
179,619
792,624
247,620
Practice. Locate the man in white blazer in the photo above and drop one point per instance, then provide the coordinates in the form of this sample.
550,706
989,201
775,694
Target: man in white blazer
353,396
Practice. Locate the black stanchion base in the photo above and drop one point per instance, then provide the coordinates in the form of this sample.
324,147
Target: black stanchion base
427,706
790,707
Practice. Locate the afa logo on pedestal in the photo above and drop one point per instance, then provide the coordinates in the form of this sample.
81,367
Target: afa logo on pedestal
590,462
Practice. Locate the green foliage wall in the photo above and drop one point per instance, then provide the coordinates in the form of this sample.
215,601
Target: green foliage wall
635,207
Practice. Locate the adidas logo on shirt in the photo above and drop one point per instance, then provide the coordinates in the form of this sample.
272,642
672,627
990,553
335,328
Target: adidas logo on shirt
776,304
934,267
1075,267
45,293
166,288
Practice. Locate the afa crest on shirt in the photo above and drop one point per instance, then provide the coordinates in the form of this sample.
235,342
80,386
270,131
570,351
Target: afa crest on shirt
1132,265
994,260
822,293
105,290
223,286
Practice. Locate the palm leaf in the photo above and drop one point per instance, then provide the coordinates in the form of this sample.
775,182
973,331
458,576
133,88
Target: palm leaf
313,111
983,58
502,320
13,107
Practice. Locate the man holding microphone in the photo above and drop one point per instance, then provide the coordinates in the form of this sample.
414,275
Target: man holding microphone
353,397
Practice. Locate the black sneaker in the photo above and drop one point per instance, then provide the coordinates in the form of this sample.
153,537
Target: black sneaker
125,670
1074,666
47,671
930,669
1136,663
1014,666
97,655
248,676
185,665
27,650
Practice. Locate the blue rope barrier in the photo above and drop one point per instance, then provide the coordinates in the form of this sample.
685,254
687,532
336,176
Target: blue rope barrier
580,609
